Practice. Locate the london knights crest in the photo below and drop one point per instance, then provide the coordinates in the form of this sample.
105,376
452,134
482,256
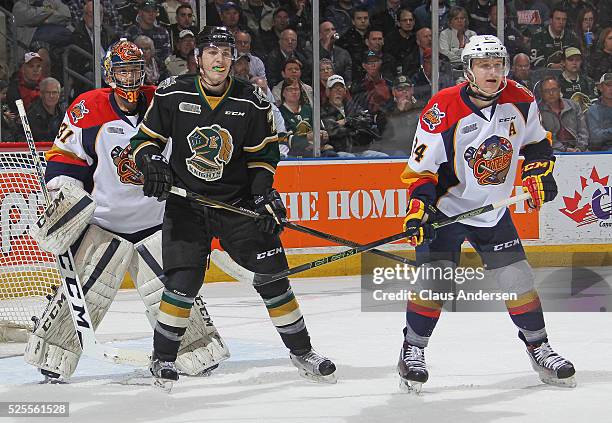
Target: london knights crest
212,148
491,160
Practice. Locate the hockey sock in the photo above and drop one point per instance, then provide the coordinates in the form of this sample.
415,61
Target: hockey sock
421,319
526,313
286,315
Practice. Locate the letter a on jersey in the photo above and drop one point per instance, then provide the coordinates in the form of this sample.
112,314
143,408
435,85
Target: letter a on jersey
212,148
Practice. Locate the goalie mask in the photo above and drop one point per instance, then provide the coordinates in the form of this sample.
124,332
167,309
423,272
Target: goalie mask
124,69
493,73
215,52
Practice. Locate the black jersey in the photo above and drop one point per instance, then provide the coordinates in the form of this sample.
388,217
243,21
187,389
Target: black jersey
223,147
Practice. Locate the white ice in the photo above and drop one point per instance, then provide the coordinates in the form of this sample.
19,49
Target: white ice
479,371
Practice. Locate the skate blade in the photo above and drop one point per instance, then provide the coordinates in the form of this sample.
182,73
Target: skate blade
329,379
53,381
410,386
163,384
568,382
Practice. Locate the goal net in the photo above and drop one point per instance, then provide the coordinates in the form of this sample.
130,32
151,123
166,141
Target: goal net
27,274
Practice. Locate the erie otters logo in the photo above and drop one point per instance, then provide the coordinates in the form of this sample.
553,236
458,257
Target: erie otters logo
79,111
433,117
126,168
490,161
212,148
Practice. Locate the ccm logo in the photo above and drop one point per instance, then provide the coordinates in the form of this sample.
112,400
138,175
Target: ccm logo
269,253
230,113
508,119
505,245
535,165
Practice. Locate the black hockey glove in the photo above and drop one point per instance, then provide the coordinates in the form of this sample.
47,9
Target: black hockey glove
538,180
156,172
419,231
271,206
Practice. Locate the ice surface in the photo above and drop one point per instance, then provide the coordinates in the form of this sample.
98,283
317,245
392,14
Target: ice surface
479,371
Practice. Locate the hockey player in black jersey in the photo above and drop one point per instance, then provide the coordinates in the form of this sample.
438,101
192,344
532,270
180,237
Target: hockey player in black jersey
224,146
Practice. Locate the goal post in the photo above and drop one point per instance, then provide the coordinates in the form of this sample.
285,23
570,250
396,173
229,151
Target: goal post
27,274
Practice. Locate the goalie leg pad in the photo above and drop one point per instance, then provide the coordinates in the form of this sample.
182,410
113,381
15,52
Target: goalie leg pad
101,262
201,347
64,219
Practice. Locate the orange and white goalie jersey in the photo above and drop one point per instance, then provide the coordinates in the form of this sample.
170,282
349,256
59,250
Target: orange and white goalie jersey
471,155
93,146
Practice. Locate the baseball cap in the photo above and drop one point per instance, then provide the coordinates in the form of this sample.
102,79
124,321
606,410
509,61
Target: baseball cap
335,79
148,4
185,33
231,5
402,81
371,55
572,51
606,77
31,56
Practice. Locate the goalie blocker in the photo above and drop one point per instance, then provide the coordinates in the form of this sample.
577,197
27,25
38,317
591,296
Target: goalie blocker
101,259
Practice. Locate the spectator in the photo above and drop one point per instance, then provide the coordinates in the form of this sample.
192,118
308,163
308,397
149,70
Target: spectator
574,8
287,48
268,40
521,70
422,78
130,12
171,7
11,129
587,33
373,92
601,61
297,115
387,17
563,118
401,45
111,21
231,17
177,63
456,36
243,45
353,40
479,12
147,25
326,69
213,12
184,20
83,37
155,70
423,14
514,41
240,67
599,117
547,45
573,80
532,14
24,84
339,14
45,114
375,42
351,129
258,16
328,50
292,70
300,19
399,124
41,20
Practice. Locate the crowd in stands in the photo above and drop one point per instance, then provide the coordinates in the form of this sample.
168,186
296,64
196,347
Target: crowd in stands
375,62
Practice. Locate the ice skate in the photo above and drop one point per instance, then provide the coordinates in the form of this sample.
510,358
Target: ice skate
315,367
412,368
550,366
164,374
51,378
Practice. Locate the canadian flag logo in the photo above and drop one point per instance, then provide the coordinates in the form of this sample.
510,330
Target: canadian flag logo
593,203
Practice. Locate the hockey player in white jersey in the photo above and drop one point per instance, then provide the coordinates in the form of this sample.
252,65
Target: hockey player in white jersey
465,155
120,232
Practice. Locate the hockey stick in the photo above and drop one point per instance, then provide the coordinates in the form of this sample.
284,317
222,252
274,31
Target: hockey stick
250,213
262,279
72,287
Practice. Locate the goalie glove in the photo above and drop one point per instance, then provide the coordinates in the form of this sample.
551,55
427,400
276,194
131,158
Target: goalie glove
156,172
415,224
538,180
271,206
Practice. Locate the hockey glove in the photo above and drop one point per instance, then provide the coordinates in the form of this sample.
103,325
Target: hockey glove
271,206
415,223
538,179
156,172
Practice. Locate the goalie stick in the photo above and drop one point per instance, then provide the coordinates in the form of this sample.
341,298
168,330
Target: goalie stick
250,213
72,288
262,279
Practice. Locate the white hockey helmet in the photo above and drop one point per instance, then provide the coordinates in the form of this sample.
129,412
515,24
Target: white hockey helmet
484,47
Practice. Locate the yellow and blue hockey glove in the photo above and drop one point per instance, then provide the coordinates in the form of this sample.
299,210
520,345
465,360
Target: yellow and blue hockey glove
419,231
538,180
